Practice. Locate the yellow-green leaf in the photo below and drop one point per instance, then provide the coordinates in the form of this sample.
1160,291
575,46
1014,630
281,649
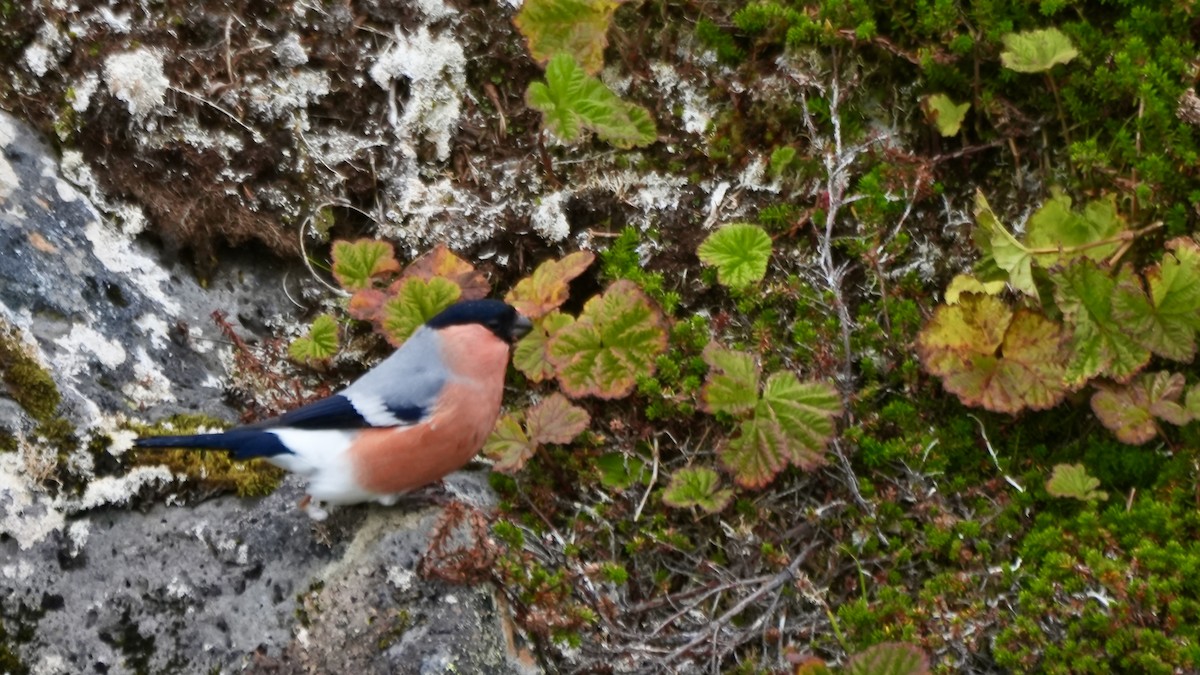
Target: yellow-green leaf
415,302
997,243
1072,480
739,251
732,383
1074,234
888,658
945,114
529,356
357,263
1100,345
575,27
320,344
572,101
508,446
615,340
1036,51
697,487
1165,319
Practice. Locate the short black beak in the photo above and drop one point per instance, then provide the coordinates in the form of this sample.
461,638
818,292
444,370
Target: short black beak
520,327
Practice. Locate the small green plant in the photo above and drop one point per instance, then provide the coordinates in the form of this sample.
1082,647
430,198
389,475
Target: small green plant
1072,480
1037,51
697,487
572,101
790,422
739,251
319,345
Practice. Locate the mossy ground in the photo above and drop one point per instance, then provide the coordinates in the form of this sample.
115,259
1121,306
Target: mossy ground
931,525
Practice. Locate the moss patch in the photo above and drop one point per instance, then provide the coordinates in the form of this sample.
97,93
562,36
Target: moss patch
26,381
210,471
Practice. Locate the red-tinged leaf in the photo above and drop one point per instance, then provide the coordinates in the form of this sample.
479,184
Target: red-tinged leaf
757,454
1165,319
555,420
508,446
529,356
441,262
356,264
1131,411
616,338
805,413
365,304
546,289
415,302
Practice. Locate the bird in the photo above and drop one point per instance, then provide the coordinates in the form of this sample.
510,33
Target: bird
420,414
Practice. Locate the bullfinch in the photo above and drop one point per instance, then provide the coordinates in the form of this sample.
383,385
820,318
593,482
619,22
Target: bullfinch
419,415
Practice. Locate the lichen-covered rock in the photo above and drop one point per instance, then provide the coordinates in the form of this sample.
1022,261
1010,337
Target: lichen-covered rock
96,331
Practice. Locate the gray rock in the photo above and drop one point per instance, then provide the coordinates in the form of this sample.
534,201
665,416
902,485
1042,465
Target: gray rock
88,584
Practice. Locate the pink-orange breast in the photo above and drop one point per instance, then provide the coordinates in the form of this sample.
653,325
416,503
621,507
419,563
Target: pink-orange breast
389,461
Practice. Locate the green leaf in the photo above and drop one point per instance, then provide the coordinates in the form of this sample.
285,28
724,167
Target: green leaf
619,471
697,487
320,344
1072,480
965,283
989,356
739,251
1131,411
509,446
1075,234
529,356
571,101
614,341
945,114
732,384
888,658
575,27
555,420
546,289
415,302
1165,320
1100,345
997,244
1036,51
792,423
356,263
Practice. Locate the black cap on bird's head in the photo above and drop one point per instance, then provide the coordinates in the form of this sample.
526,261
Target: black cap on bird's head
498,317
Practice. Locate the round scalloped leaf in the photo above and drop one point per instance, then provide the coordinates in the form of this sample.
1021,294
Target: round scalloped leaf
956,333
320,344
697,487
1074,234
415,302
356,264
739,251
1072,480
441,262
615,339
805,413
732,383
555,420
508,445
546,289
1036,51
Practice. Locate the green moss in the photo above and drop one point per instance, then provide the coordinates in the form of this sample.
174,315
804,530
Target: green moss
212,470
27,382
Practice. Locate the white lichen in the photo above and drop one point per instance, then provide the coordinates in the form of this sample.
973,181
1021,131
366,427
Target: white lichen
120,489
280,97
149,386
549,218
435,68
118,254
695,110
77,534
289,52
26,514
138,79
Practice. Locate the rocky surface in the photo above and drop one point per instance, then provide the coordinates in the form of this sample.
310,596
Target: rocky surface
89,584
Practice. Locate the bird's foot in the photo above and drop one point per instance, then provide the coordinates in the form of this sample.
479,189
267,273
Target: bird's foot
312,508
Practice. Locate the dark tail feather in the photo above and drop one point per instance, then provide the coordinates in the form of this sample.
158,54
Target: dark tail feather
245,444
